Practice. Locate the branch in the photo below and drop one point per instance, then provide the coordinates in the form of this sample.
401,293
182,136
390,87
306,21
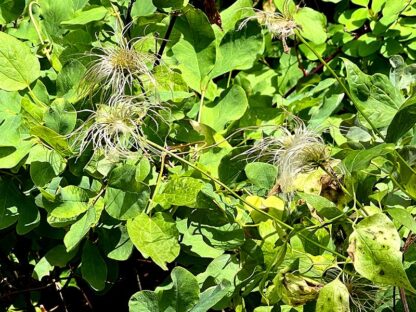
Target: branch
159,54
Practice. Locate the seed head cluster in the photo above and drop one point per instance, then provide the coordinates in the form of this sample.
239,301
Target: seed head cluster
118,73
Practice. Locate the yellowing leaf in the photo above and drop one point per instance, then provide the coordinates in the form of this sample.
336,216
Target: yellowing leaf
375,251
333,297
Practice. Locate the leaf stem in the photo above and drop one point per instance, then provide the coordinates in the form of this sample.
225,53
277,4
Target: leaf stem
201,105
37,29
158,182
242,200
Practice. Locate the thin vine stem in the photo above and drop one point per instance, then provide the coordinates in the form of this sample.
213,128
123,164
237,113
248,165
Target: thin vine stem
158,183
242,200
37,28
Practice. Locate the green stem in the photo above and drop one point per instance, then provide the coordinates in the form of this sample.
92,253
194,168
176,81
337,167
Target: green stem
158,182
229,78
201,104
232,192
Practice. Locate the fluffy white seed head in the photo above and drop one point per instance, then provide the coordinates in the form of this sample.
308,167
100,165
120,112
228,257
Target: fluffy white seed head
115,128
117,68
280,26
293,152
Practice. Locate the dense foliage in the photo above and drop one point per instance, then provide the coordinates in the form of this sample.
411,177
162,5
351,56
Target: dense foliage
176,155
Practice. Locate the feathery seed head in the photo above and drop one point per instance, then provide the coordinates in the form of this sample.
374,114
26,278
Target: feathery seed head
117,67
279,25
294,152
116,127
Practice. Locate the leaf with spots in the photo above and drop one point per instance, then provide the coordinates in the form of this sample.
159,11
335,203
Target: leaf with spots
333,297
375,251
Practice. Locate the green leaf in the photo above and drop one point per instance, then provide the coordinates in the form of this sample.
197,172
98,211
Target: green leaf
68,80
375,96
42,269
227,237
173,193
73,202
238,49
61,117
155,237
195,50
10,10
262,175
195,241
11,156
178,296
361,159
93,267
88,16
363,3
58,256
29,218
404,217
225,267
182,294
128,177
53,13
14,141
234,13
10,203
116,243
333,297
403,121
144,301
52,138
354,19
211,296
323,206
375,251
313,24
79,229
123,205
171,4
142,8
18,66
45,164
233,101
